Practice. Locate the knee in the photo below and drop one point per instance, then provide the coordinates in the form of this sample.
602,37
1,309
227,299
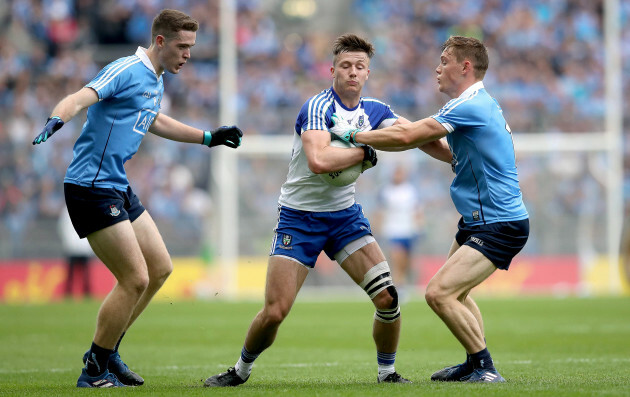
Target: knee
272,316
387,308
434,296
386,299
160,272
137,283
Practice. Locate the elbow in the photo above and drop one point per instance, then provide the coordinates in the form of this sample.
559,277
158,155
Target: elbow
317,167
403,140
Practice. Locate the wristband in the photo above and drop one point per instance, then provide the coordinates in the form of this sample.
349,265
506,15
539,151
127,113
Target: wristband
207,138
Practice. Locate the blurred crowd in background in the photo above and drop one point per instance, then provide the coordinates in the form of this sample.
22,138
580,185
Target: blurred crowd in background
547,71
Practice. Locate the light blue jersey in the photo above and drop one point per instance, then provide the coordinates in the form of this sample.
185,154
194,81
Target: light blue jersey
130,93
485,189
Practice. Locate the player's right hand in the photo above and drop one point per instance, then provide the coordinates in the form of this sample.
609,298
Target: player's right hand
369,157
52,125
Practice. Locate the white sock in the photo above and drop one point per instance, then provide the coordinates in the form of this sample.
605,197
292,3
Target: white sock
243,369
384,370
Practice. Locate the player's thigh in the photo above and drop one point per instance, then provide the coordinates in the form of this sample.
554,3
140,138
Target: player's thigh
465,269
117,247
362,260
152,245
454,247
284,280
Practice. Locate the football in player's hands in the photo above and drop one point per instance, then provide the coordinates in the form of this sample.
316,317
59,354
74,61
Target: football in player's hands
346,176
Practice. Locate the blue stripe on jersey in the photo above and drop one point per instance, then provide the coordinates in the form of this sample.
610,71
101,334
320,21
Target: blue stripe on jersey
316,112
318,105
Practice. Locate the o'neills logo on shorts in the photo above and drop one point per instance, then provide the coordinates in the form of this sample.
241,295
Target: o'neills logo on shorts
113,211
477,241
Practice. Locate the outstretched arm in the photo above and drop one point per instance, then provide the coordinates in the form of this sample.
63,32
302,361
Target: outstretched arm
65,110
169,128
437,149
409,135
71,105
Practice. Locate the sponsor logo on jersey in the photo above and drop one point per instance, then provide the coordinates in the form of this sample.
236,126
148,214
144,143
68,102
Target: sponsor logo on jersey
113,211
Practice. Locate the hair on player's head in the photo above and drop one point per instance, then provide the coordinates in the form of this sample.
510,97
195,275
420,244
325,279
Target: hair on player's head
469,48
350,42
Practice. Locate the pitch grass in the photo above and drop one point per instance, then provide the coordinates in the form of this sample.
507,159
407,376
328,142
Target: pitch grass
542,346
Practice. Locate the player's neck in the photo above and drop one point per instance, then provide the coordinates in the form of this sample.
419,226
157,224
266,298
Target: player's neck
350,100
463,87
153,57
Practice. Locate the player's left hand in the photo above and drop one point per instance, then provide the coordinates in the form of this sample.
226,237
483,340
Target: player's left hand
230,136
342,129
369,157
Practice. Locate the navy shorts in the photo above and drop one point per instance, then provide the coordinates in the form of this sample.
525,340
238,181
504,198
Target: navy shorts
499,242
302,235
93,209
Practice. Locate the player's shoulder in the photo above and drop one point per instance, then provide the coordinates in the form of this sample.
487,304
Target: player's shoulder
124,63
318,103
471,103
375,103
322,97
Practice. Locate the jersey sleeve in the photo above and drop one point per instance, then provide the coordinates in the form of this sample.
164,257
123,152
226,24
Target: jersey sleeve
111,80
459,113
313,116
381,114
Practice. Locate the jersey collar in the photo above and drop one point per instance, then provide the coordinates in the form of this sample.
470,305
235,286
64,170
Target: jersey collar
475,87
142,54
341,103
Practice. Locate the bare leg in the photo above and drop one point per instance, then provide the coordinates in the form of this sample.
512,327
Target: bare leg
158,260
119,250
284,279
386,335
449,288
467,300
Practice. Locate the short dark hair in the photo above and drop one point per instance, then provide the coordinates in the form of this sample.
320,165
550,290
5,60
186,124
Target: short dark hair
169,22
471,49
351,42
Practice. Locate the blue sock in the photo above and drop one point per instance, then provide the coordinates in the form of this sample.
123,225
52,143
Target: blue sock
482,360
245,363
385,364
96,363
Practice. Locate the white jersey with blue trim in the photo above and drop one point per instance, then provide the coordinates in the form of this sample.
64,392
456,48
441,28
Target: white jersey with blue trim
305,190
485,189
129,93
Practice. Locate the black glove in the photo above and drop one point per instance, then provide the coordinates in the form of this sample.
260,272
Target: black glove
229,136
52,125
369,157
